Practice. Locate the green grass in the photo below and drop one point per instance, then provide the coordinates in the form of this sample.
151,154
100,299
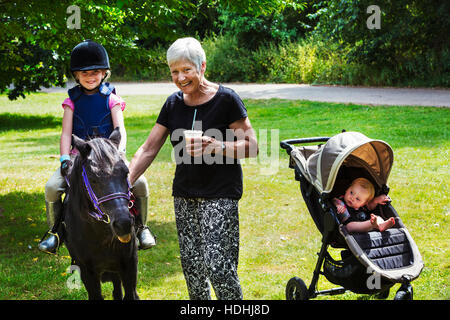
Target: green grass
278,237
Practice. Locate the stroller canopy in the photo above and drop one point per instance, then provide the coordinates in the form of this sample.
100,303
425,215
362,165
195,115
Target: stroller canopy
355,150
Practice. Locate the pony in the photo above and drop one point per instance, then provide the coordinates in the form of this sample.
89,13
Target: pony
98,227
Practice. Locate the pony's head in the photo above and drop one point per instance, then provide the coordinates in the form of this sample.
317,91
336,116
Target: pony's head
103,175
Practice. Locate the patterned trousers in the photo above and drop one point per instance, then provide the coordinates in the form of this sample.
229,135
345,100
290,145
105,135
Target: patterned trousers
208,234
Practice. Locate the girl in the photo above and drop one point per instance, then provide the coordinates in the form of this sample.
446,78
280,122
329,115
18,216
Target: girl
92,110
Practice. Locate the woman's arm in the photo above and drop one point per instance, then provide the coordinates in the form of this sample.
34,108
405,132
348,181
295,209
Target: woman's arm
144,156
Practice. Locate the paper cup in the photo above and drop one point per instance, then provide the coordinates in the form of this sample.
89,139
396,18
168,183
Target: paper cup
190,135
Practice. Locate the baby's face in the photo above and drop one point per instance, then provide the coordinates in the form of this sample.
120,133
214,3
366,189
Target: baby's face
356,196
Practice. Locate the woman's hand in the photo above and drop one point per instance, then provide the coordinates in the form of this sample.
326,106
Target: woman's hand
204,145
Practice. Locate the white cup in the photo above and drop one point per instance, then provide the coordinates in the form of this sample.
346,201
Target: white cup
190,135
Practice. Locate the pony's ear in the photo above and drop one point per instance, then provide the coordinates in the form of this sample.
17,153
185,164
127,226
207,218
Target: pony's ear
81,145
115,137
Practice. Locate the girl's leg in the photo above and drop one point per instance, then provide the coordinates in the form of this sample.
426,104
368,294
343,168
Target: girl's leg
191,247
144,235
54,188
220,228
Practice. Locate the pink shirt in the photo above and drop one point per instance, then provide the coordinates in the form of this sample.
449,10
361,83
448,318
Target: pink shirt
114,100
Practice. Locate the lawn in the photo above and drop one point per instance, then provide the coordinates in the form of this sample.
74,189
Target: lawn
278,237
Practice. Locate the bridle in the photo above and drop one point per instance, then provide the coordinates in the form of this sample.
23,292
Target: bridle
98,214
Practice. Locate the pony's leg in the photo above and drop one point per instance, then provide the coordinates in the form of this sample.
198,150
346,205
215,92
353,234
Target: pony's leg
117,284
129,280
92,284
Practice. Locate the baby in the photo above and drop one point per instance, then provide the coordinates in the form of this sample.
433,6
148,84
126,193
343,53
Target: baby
361,194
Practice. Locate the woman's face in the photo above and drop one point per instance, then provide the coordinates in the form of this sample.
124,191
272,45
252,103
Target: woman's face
186,76
90,79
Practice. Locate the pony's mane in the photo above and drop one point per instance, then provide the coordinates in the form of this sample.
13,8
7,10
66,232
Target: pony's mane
103,156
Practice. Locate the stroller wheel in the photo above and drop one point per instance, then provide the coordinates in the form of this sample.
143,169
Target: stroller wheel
405,292
296,289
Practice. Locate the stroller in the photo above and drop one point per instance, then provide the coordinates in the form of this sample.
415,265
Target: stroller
371,262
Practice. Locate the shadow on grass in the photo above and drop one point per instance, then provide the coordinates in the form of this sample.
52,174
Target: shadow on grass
13,121
27,273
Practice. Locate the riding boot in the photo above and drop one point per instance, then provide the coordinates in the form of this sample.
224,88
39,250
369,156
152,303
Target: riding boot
54,217
144,235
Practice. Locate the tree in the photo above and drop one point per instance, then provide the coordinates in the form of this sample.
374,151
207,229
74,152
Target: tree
35,41
410,42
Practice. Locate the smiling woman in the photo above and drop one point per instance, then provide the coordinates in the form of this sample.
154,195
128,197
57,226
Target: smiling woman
205,194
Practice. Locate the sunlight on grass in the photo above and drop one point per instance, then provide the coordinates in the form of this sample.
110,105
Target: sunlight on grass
278,237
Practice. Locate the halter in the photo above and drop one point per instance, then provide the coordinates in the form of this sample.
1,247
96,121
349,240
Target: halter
99,214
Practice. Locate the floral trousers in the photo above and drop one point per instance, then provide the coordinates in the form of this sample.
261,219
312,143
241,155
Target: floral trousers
208,234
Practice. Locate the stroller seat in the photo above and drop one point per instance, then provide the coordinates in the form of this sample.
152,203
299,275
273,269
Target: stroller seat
389,249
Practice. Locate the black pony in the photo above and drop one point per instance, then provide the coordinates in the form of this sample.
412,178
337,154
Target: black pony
99,229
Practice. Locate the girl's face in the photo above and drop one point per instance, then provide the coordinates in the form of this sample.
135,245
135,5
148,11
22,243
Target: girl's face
356,196
186,76
90,79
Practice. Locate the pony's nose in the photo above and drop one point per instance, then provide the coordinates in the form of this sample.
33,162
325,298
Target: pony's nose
122,225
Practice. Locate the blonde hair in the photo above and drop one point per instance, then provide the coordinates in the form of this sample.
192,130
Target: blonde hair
188,49
366,185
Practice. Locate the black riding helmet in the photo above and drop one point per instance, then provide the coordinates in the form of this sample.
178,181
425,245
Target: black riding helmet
88,55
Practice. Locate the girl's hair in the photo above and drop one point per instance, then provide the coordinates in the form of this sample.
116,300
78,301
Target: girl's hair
186,49
366,185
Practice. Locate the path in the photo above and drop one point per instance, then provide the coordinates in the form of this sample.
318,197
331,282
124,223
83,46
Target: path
342,94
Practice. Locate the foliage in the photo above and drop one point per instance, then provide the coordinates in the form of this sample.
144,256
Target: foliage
253,31
312,41
409,43
36,43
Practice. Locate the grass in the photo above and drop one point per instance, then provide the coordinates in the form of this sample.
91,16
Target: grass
278,237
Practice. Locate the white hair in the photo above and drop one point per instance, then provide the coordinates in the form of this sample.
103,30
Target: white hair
188,49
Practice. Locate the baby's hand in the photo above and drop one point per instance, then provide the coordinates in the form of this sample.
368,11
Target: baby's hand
382,199
340,208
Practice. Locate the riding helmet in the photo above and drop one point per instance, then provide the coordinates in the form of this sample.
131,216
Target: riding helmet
88,55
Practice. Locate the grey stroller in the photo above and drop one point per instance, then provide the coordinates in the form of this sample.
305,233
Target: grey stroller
372,262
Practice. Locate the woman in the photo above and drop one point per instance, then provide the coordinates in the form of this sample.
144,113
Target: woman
208,178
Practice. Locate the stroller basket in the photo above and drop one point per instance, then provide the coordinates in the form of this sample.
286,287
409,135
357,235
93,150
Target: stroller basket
324,171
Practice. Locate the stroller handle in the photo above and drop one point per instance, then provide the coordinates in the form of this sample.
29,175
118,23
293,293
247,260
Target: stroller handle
288,144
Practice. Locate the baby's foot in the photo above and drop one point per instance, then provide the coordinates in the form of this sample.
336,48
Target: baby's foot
386,224
373,221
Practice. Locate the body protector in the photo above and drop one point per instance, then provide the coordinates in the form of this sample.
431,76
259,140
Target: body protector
92,115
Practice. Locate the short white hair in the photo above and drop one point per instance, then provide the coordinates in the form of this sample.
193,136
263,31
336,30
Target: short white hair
188,49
